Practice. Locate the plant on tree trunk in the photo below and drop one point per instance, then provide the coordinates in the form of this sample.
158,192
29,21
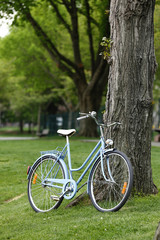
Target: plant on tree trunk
130,84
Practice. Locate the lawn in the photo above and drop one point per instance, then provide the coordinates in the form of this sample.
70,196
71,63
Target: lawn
137,220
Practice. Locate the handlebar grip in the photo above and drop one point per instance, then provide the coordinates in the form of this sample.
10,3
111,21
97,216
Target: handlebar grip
83,117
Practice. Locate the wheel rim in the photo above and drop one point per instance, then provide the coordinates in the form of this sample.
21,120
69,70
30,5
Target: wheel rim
109,196
44,198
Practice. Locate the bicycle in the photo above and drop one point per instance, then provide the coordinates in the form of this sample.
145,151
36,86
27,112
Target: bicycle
109,182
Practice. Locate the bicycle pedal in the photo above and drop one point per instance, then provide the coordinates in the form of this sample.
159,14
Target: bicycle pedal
55,198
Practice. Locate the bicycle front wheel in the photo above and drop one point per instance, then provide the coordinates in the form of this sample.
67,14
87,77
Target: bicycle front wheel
109,189
44,197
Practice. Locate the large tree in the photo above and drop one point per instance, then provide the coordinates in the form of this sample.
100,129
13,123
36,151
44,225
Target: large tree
34,80
129,97
90,79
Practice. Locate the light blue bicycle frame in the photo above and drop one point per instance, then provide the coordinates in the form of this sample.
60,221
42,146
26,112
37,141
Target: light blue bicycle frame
97,151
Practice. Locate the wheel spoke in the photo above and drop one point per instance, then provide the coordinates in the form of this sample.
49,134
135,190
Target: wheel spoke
41,196
107,195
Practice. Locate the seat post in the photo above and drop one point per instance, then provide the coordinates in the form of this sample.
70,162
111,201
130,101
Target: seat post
69,156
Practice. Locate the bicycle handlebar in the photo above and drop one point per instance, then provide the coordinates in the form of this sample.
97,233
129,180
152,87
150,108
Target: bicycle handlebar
93,115
83,117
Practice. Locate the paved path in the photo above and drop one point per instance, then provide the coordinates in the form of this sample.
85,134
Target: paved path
156,144
17,138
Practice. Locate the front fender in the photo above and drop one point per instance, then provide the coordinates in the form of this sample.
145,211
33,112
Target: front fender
104,152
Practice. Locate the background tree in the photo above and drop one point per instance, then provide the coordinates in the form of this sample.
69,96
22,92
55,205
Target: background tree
34,82
89,77
6,69
27,82
129,97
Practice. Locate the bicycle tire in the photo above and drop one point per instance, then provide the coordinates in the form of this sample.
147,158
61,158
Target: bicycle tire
107,196
45,198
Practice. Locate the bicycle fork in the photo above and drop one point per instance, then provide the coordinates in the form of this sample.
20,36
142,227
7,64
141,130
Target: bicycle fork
110,179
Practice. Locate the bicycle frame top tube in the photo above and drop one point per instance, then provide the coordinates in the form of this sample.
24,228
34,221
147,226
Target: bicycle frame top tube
94,154
97,151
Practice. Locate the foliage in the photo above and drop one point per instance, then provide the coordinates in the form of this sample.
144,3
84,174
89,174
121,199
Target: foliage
33,80
157,2
6,69
138,219
106,44
70,32
25,85
48,14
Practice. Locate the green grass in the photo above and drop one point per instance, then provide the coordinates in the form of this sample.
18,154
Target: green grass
137,220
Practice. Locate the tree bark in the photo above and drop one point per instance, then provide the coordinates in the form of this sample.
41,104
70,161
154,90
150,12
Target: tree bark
157,234
39,120
21,125
129,97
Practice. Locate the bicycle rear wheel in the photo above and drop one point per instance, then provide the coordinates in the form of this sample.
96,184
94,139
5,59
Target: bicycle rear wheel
112,194
43,197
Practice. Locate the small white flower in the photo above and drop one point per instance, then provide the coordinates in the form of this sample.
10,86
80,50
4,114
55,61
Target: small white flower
104,39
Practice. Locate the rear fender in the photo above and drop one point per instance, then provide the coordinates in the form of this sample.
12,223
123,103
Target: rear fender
49,155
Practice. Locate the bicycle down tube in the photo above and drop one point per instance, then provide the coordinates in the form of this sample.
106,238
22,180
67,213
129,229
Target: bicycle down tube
99,152
67,146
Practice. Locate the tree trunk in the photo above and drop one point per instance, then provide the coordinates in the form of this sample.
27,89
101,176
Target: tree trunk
39,120
129,97
157,234
21,125
30,127
90,99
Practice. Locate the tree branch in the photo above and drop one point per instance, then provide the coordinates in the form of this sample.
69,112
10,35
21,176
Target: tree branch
72,10
97,75
90,35
91,19
67,5
75,33
60,60
60,17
